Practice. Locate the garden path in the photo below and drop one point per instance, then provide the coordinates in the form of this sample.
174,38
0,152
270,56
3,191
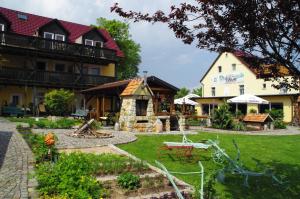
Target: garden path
67,142
16,161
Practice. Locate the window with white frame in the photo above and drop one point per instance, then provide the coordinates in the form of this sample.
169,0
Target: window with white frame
220,69
2,27
59,37
89,42
283,89
213,91
48,35
242,89
234,67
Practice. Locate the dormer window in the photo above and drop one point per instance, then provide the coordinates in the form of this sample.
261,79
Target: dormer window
99,44
48,35
90,42
59,37
1,27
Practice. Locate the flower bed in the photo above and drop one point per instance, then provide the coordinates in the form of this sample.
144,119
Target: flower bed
44,123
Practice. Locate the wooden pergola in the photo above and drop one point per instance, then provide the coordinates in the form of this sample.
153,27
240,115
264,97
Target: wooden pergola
161,91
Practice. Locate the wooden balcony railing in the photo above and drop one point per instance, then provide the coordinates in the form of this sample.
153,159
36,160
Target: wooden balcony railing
47,78
54,46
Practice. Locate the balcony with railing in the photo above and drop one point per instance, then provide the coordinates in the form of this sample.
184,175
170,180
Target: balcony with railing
42,45
21,76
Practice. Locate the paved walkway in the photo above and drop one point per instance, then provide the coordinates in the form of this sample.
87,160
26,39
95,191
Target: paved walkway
15,159
67,142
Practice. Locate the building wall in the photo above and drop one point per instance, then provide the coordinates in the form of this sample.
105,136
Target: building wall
108,70
252,85
246,77
285,100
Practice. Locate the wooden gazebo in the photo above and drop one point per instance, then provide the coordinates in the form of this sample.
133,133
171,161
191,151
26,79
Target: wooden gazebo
105,98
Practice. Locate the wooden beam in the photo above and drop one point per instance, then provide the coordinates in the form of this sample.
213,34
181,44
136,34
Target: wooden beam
156,106
103,105
97,108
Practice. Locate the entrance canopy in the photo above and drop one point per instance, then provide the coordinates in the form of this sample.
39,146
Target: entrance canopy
248,99
186,101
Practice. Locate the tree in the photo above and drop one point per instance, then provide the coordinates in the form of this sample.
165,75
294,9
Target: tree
182,92
197,91
58,101
266,28
128,66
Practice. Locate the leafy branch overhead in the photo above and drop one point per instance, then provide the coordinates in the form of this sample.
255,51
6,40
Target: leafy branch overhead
267,28
128,66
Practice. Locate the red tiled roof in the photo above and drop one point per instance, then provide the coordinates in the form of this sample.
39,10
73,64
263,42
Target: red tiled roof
261,67
256,118
132,87
34,22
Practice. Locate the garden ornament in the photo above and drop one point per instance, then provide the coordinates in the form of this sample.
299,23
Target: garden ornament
234,166
171,178
49,139
188,142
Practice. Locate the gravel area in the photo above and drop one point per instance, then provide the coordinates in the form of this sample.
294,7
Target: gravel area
67,142
16,161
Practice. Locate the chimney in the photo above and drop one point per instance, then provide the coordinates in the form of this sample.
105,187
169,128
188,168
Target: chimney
145,77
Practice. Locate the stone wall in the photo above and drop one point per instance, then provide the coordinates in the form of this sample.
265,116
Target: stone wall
128,119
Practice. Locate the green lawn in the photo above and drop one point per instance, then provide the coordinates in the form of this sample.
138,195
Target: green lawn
281,153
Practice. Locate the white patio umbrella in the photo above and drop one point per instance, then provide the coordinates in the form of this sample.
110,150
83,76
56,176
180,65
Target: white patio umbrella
186,101
191,95
248,99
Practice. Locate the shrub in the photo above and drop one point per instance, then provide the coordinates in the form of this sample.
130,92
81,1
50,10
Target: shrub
71,176
279,124
276,114
222,118
239,126
57,101
129,181
252,110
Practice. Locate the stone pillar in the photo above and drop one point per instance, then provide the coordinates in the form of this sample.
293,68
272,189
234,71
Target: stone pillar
182,123
168,125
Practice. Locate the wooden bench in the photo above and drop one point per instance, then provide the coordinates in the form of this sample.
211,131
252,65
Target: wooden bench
80,113
12,111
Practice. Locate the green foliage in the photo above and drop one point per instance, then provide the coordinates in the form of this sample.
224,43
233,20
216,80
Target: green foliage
43,123
70,176
115,164
276,114
253,110
279,124
129,181
238,126
182,92
128,66
222,118
197,91
57,101
37,144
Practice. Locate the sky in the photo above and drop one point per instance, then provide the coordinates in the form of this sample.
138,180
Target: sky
163,55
